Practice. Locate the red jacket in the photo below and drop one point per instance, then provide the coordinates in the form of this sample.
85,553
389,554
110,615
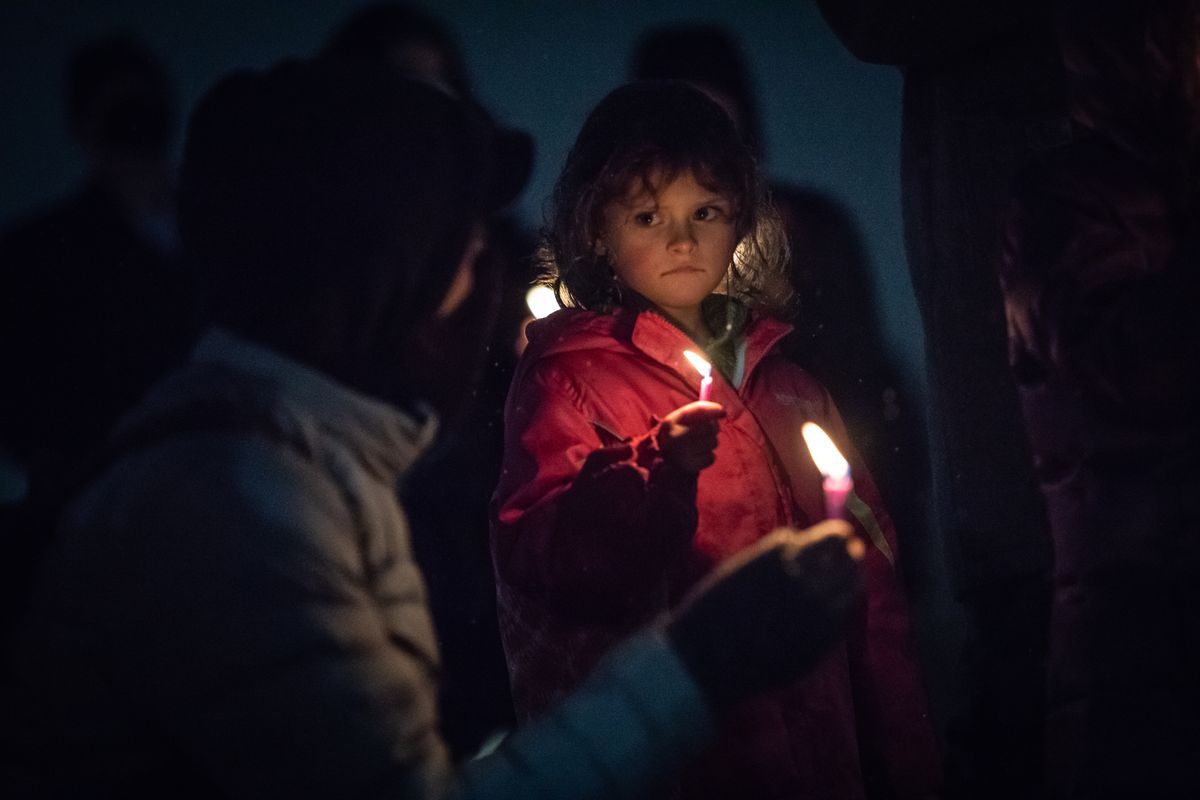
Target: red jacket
594,536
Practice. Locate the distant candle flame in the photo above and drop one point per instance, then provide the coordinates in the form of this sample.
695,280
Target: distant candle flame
829,461
702,366
541,301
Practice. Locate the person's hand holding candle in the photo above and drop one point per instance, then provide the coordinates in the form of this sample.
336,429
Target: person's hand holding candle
687,437
832,465
811,580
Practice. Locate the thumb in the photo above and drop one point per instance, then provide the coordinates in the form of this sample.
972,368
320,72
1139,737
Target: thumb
697,412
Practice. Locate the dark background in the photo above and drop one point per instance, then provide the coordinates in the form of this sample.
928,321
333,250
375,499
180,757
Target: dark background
830,122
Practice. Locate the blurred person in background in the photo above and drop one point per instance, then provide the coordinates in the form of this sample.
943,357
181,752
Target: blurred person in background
982,99
1099,270
447,494
95,303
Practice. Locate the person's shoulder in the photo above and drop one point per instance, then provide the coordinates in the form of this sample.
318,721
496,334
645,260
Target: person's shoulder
30,235
576,354
781,370
571,337
237,472
206,439
569,329
67,212
791,389
60,235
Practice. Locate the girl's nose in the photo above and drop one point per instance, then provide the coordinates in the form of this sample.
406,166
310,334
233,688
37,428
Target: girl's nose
683,238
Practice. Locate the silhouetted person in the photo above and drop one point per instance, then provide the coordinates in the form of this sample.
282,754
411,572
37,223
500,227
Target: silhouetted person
982,98
1101,290
230,608
447,495
710,58
94,302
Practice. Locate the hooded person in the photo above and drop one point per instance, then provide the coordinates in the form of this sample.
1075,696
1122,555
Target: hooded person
230,607
446,496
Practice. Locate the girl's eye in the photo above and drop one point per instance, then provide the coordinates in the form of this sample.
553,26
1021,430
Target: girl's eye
708,212
644,218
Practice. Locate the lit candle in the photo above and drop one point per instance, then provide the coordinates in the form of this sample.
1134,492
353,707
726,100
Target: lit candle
832,465
541,301
705,370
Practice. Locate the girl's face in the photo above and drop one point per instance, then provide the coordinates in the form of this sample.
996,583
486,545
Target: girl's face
673,246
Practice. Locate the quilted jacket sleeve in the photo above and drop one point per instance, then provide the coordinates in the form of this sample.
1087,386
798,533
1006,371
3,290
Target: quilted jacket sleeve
270,655
633,723
583,516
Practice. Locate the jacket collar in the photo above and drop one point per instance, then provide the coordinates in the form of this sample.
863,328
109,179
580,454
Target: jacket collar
662,341
572,329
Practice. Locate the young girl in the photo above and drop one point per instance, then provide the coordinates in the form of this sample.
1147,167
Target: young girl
620,490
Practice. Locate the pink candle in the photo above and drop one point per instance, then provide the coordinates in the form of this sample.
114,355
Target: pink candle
836,491
833,465
705,369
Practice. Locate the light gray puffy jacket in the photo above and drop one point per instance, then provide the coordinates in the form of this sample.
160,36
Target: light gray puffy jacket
232,609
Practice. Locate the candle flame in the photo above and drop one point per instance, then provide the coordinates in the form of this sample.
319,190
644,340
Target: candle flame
702,366
829,461
541,301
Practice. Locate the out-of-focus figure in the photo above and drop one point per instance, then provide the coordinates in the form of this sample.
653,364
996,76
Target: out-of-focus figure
447,494
94,302
982,99
1101,285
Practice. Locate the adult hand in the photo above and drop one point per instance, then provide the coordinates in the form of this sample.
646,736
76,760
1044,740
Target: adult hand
767,615
687,436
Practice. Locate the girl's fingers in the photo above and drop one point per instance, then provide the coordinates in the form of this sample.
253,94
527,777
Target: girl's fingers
698,412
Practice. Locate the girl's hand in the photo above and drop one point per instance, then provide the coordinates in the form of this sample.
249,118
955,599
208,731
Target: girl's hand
687,436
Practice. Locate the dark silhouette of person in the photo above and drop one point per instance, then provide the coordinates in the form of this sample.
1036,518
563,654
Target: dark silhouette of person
95,303
708,57
837,335
982,98
1099,269
447,494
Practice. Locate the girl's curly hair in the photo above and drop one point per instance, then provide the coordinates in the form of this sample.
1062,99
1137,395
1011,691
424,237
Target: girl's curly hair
650,132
